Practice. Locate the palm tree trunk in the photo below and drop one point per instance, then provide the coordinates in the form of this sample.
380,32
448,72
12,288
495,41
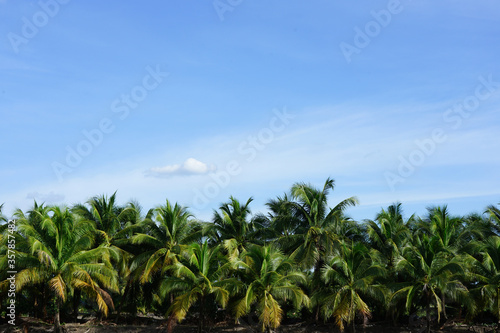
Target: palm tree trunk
44,308
316,317
202,314
316,282
428,315
444,305
57,319
123,300
76,304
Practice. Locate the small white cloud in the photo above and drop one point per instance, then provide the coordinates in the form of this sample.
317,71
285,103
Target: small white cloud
49,197
190,167
195,166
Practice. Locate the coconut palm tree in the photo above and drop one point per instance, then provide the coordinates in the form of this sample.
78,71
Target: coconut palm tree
283,223
317,222
162,239
234,227
60,256
199,275
350,277
269,277
426,272
478,228
446,230
389,232
485,277
105,213
448,235
114,227
39,292
318,228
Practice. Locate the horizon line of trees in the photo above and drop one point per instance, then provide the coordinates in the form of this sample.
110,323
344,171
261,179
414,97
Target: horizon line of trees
302,260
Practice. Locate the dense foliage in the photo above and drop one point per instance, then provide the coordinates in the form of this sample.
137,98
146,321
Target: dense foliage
302,260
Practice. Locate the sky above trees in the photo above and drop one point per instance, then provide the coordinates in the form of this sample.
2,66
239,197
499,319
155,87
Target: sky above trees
197,101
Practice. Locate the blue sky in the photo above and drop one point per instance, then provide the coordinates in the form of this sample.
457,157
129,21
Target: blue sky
194,101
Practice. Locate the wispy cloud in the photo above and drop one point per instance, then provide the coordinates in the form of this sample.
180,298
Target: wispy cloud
190,167
50,197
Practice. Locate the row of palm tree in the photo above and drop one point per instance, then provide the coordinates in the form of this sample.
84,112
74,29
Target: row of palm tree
302,259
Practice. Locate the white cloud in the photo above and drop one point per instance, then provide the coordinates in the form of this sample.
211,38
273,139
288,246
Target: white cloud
190,167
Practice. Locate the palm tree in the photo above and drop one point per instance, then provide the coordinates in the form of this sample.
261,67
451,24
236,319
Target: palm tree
269,277
233,226
447,230
161,241
105,213
485,276
448,235
478,228
114,226
199,275
389,232
426,271
283,223
351,275
113,223
319,227
37,292
60,256
317,221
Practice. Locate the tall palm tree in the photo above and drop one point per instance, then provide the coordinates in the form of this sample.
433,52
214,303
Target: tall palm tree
161,240
114,226
485,275
112,222
197,276
426,271
269,278
317,222
234,227
283,223
38,292
478,228
446,230
351,276
319,227
61,257
389,232
105,213
449,235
